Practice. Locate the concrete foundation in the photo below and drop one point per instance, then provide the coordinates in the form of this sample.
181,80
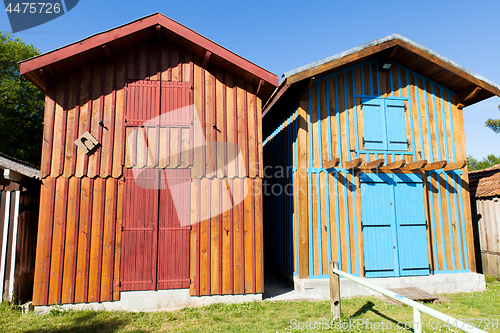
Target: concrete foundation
439,283
160,300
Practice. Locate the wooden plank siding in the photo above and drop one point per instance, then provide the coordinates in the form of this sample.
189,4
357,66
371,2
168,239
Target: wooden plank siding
81,213
332,104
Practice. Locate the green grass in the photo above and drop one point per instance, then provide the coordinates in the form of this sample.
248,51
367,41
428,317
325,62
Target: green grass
267,316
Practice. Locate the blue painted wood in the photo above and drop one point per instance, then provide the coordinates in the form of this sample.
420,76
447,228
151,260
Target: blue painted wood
394,226
396,125
378,226
374,124
411,226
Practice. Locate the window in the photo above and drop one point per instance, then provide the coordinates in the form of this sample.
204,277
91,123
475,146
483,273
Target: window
384,124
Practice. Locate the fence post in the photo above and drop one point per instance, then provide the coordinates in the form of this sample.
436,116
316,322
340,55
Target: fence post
334,290
417,321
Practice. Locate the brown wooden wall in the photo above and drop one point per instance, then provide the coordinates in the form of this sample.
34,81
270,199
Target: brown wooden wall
78,253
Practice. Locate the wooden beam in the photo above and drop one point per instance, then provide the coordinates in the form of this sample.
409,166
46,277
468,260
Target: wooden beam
460,106
374,164
353,163
393,165
206,59
158,34
261,83
455,166
468,94
350,58
310,84
436,165
331,163
415,165
107,52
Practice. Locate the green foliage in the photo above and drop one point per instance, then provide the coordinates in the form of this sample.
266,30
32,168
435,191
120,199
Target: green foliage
21,103
489,161
494,124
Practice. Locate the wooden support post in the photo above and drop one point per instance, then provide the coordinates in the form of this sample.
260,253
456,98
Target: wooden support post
334,291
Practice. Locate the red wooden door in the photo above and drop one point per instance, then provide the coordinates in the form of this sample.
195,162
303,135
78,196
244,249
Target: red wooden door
173,240
139,233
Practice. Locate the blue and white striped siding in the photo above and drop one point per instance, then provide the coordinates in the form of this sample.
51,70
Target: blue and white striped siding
280,151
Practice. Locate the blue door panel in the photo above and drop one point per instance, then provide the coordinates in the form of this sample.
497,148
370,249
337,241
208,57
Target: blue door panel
411,229
378,227
396,125
374,124
394,226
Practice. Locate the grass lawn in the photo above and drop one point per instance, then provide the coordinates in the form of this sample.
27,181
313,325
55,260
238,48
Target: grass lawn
481,309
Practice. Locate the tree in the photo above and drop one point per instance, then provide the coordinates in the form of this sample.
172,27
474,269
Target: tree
494,124
21,103
489,161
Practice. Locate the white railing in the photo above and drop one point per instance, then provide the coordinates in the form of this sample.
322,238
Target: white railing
417,307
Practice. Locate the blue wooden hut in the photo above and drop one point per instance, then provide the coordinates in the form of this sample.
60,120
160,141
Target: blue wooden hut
366,165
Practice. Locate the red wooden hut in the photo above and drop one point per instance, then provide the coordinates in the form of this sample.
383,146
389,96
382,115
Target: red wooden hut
151,166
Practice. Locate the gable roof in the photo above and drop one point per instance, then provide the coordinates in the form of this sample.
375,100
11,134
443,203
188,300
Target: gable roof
95,47
407,53
24,168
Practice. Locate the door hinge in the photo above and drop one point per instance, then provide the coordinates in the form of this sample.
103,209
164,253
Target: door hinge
426,225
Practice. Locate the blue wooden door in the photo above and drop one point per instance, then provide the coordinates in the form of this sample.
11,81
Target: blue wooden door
411,225
394,226
379,229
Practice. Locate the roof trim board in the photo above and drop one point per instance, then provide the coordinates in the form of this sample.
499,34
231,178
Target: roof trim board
153,20
385,43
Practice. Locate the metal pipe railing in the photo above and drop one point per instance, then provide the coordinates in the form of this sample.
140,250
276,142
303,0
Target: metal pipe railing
417,307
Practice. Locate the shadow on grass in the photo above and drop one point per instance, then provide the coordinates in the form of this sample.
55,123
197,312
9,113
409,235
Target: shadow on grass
369,306
87,321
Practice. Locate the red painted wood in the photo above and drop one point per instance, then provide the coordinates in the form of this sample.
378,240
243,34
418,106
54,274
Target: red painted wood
173,238
89,116
198,218
75,242
113,237
106,37
242,233
209,239
63,241
89,234
221,232
101,119
140,218
100,245
49,242
253,263
64,129
77,122
231,239
112,125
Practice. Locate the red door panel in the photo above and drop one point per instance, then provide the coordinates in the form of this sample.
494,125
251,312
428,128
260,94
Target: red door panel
173,237
139,233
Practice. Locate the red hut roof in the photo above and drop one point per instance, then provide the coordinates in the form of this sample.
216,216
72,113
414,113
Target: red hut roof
105,44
